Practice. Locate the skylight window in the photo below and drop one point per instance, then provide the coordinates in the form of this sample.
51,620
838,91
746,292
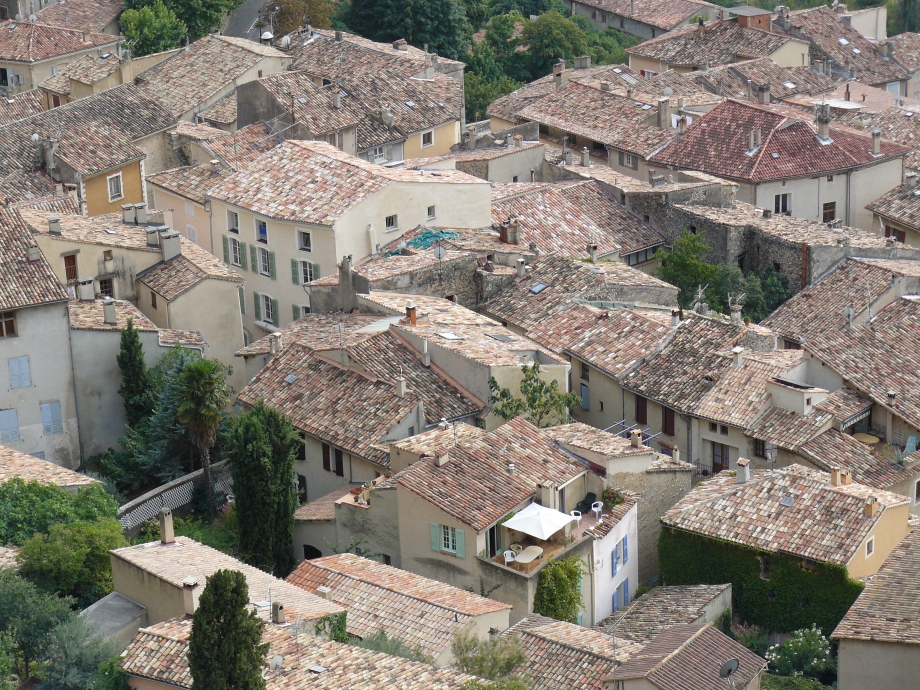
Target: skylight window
617,70
411,104
630,79
787,501
842,41
290,378
646,107
775,154
447,335
788,84
856,51
538,288
501,337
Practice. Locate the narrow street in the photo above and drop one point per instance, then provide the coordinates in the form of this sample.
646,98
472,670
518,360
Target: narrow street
240,23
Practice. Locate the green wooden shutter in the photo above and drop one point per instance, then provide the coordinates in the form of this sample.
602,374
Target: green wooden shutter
257,308
271,265
226,249
622,158
243,255
316,274
276,317
635,162
295,272
461,544
242,301
296,312
435,536
255,259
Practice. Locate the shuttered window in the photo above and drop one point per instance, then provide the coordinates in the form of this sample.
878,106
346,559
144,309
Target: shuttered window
641,410
667,421
447,539
20,375
51,418
9,425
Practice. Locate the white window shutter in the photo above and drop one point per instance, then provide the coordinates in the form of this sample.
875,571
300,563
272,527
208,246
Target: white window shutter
47,422
56,421
20,376
9,425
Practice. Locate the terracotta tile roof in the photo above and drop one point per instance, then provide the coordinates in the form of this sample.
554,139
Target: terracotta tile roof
319,332
659,609
173,563
663,14
322,509
431,443
613,516
820,308
901,205
718,143
468,155
198,132
823,522
384,266
888,609
91,230
313,105
683,372
242,147
29,469
465,487
789,430
19,106
863,99
191,181
35,41
89,69
688,657
58,205
738,395
906,49
564,655
159,653
89,316
336,180
732,80
186,80
223,112
823,28
416,609
896,124
97,149
836,449
172,278
23,283
584,437
846,405
431,310
79,14
723,42
600,116
407,54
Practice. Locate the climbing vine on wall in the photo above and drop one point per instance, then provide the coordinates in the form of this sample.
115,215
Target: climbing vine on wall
332,626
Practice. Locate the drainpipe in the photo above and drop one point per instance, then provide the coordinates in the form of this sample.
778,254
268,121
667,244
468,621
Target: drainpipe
847,221
73,373
690,438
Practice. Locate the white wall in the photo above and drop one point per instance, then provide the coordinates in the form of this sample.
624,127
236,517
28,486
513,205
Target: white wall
605,582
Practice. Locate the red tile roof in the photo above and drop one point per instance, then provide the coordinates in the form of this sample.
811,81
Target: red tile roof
35,41
29,469
836,449
94,15
906,49
19,106
664,14
901,205
24,283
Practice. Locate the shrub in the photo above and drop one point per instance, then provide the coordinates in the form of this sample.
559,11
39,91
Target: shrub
806,653
491,659
559,590
394,646
752,637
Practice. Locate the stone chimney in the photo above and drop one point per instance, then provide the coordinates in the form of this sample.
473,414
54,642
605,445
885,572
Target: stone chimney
387,118
34,253
675,318
910,180
824,122
763,94
509,232
870,507
278,617
675,454
337,99
215,166
153,237
338,36
743,471
441,458
592,252
191,593
411,313
635,438
54,225
846,476
583,62
521,268
737,355
109,316
167,536
127,214
876,142
664,119
605,86
561,74
86,291
567,156
324,592
86,36
172,245
400,387
751,140
426,356
585,158
140,214
736,313
518,141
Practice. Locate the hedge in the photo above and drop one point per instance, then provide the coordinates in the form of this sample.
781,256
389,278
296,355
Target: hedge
793,598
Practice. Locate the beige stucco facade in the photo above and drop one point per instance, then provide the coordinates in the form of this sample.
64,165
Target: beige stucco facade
863,664
34,73
191,219
443,137
887,533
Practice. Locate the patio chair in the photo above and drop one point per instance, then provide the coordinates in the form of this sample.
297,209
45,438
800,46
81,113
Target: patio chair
577,515
585,505
516,548
597,507
509,557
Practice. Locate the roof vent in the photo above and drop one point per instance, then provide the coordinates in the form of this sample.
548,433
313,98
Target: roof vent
743,473
316,668
54,225
140,214
278,616
34,253
870,507
127,214
324,592
109,316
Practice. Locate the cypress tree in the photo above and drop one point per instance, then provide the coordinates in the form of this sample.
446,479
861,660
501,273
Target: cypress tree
262,446
225,649
135,379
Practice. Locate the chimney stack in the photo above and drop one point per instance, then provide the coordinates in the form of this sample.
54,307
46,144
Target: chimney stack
675,454
35,253
86,36
153,237
583,62
337,99
605,86
635,438
509,232
675,318
910,180
109,317
324,592
140,214
412,313
426,356
167,536
736,313
521,268
518,141
441,458
743,472
835,476
592,253
846,476
86,292
876,142
767,213
278,617
891,397
127,214
191,592
400,387
172,246
751,140
54,225
664,120
757,139
824,122
215,166
737,359
511,468
763,93
561,74
338,36
870,507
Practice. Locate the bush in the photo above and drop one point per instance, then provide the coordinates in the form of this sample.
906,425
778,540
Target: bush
559,590
771,682
219,534
752,637
394,646
74,656
807,653
490,659
112,676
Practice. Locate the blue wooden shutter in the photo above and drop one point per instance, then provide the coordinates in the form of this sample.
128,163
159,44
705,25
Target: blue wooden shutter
9,425
613,560
461,544
626,592
435,536
47,421
20,376
625,549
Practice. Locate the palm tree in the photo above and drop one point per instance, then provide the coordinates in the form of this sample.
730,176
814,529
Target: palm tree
203,394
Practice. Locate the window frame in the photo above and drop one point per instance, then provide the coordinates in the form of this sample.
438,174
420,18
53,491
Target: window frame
121,187
870,546
71,275
782,200
585,372
21,380
427,133
15,436
448,537
233,227
828,206
107,292
668,424
304,266
8,324
264,267
153,300
231,243
641,404
56,426
266,308
378,154
386,223
300,234
760,448
432,213
258,225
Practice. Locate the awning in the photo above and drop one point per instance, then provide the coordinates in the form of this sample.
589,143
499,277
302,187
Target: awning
538,521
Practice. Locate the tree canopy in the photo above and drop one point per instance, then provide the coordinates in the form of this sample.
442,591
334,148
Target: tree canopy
441,24
74,655
559,589
492,659
154,28
200,17
293,14
542,403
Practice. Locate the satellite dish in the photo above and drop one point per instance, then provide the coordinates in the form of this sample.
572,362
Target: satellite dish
275,663
439,252
286,42
35,138
849,313
728,668
267,36
668,91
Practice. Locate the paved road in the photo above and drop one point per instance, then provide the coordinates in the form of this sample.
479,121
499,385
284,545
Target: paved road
241,21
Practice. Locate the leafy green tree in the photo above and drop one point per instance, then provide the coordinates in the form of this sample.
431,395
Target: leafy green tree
112,676
491,659
500,684
73,559
477,12
29,615
394,646
225,649
527,8
135,381
7,662
74,655
203,394
155,28
541,402
685,266
439,23
903,15
806,653
293,14
775,288
559,589
262,445
480,93
549,37
29,508
200,17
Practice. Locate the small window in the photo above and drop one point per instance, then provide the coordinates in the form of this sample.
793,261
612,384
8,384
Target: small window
7,324
427,138
54,68
667,421
514,179
233,245
641,410
107,255
829,211
261,232
304,241
386,559
585,397
628,160
9,425
339,462
115,190
646,219
233,221
390,223
431,213
106,287
448,539
713,427
260,74
264,262
917,492
760,449
337,139
51,418
153,300
782,204
189,209
830,178
379,154
585,372
70,267
20,374
306,272
808,402
268,314
870,547
723,430
602,405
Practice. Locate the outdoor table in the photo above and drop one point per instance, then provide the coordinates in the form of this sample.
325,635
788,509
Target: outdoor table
528,555
868,439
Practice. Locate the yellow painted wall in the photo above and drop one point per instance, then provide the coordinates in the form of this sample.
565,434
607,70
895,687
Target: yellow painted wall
445,136
97,190
890,529
792,54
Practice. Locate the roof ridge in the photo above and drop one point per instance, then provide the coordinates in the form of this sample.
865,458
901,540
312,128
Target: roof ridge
535,632
680,648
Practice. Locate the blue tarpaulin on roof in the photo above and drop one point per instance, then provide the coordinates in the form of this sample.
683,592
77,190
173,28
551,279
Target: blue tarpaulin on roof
426,239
